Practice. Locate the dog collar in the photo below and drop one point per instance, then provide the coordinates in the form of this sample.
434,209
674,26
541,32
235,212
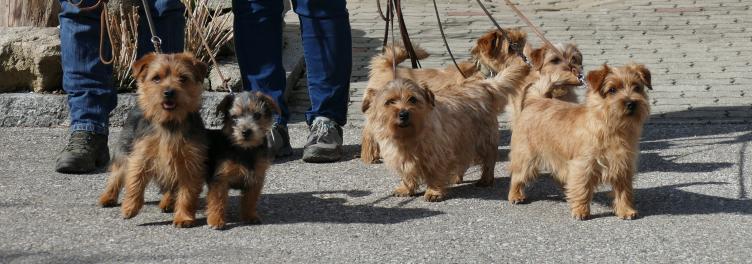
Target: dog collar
487,72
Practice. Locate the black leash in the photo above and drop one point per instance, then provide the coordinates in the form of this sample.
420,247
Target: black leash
443,37
154,38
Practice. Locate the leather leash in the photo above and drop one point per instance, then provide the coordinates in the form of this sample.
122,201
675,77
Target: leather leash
535,29
443,37
103,25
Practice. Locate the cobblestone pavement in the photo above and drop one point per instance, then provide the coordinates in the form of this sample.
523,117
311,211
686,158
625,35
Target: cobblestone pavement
698,51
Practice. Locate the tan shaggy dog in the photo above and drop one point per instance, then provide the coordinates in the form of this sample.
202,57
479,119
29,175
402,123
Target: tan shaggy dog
490,55
433,138
163,138
601,142
546,61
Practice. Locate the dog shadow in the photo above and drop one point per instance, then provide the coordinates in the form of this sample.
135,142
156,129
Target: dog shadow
315,207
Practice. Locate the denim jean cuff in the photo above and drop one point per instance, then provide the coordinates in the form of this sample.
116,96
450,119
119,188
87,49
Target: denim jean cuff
97,129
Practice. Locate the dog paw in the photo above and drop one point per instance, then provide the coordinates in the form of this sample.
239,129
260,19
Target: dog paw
580,214
183,223
402,192
433,196
166,208
215,223
627,214
129,212
107,202
516,199
484,183
253,219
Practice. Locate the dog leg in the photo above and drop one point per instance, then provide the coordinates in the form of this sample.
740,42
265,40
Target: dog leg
136,180
110,195
167,204
251,196
216,200
487,172
369,149
435,194
623,198
580,184
186,201
406,188
523,171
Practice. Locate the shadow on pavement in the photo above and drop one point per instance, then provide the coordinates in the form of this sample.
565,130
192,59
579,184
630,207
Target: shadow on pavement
316,207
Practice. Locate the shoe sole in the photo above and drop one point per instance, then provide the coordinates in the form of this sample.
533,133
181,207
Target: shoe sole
322,156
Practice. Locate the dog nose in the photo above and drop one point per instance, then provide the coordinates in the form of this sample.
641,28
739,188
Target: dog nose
631,106
247,133
169,93
404,115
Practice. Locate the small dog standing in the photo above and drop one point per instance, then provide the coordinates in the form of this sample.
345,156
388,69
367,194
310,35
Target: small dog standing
601,142
435,138
163,138
239,155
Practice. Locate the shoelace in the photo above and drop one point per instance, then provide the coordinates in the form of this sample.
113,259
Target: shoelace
321,129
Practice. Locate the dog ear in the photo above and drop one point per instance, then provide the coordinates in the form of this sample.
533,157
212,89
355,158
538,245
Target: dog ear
537,56
644,74
269,101
224,106
200,69
141,65
486,43
428,94
370,93
595,78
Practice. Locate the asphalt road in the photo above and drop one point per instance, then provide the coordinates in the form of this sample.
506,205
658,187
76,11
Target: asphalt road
693,193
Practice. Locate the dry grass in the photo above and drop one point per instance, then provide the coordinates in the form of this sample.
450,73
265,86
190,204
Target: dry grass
201,22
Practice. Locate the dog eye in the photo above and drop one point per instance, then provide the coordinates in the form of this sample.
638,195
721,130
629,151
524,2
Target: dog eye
390,102
612,90
637,88
256,116
156,79
412,100
556,60
183,78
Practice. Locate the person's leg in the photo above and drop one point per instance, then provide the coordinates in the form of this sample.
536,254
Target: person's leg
88,83
258,46
169,22
327,47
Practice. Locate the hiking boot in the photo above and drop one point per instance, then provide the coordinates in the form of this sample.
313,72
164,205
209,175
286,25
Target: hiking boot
84,153
279,141
324,141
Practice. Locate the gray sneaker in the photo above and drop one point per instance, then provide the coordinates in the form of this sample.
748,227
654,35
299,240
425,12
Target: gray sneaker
84,153
279,141
324,141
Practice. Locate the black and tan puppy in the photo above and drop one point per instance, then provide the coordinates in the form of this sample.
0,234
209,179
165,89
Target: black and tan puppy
239,155
163,138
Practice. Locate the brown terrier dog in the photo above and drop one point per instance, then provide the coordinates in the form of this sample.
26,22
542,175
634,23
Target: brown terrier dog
423,135
601,142
546,61
163,138
490,55
239,155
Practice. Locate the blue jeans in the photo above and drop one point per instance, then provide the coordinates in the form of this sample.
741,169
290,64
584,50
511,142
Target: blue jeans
86,80
327,48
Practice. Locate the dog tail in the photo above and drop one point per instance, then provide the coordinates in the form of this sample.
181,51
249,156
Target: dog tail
396,54
543,87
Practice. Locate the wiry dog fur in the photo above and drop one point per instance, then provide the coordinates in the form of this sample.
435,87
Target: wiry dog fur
600,143
163,138
423,135
545,61
239,155
491,53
